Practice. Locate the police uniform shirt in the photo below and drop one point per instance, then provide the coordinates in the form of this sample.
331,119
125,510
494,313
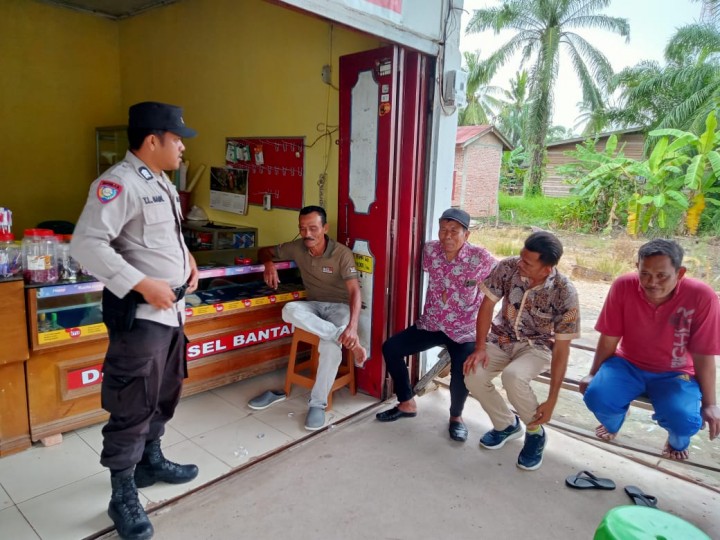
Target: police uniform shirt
129,230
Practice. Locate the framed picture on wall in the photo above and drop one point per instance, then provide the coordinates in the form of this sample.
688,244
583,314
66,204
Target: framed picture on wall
229,189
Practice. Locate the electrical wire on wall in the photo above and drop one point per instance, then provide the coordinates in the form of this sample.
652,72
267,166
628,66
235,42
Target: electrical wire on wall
326,130
450,25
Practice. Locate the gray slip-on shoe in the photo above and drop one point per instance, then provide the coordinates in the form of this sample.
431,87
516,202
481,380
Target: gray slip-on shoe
264,400
315,418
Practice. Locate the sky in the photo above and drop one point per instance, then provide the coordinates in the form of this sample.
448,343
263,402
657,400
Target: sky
652,23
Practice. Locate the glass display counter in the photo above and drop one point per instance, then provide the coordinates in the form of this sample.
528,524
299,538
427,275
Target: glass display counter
65,312
72,311
233,324
207,235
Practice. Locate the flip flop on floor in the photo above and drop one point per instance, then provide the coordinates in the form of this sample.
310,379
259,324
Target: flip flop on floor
587,480
640,498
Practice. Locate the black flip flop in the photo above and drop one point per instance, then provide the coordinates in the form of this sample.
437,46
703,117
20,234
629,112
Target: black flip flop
640,498
587,480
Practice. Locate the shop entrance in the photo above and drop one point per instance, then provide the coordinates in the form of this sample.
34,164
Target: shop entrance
383,96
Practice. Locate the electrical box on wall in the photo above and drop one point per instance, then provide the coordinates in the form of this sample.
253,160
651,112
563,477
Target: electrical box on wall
456,88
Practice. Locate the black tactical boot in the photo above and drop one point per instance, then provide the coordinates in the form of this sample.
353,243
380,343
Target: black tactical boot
125,509
153,467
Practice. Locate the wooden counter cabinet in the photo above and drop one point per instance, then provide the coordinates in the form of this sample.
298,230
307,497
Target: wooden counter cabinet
233,323
14,427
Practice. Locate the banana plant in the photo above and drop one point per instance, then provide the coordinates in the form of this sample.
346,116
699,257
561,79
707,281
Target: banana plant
679,173
600,178
661,187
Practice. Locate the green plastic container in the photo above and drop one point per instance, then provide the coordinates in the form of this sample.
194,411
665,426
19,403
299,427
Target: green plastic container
643,523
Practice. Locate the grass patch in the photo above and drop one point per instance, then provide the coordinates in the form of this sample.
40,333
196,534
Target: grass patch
535,211
504,248
612,266
502,242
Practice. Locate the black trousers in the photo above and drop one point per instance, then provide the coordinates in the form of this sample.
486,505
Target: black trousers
142,380
413,340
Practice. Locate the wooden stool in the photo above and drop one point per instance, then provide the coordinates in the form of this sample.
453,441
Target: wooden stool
345,375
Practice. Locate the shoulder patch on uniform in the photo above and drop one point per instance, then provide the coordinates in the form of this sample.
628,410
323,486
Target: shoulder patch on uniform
145,173
108,191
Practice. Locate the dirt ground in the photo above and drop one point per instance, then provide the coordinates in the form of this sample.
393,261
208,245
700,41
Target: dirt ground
596,257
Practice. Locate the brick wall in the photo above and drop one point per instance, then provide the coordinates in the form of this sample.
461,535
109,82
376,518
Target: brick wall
477,176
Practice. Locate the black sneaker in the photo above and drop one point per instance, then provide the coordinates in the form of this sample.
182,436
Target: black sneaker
531,456
495,439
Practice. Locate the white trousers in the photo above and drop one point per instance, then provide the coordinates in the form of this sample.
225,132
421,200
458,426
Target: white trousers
328,321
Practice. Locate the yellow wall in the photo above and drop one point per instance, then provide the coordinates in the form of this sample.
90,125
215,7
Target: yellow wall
59,78
245,69
242,69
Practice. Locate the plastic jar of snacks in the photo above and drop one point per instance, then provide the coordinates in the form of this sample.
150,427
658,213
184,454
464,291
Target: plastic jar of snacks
10,263
39,256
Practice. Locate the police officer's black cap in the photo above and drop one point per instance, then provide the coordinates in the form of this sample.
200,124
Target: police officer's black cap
158,116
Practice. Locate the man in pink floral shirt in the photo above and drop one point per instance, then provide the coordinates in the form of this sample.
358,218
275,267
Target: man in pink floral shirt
457,269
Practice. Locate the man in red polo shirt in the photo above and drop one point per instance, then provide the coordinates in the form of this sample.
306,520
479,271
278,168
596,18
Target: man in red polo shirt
660,332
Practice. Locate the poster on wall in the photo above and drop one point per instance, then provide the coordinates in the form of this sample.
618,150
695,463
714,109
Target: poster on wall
229,189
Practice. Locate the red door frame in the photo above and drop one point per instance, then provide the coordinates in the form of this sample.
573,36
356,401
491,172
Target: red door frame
394,223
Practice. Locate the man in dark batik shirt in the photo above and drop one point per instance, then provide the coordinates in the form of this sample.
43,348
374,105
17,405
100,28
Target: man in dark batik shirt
538,320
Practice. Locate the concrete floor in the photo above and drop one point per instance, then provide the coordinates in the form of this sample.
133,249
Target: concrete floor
408,480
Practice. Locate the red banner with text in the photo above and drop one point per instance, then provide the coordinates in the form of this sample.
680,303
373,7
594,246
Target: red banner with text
92,375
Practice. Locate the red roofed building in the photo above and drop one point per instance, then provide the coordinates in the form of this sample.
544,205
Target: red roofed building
478,155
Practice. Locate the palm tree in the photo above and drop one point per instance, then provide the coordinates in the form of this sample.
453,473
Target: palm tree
679,94
592,119
558,133
710,11
512,118
481,100
542,26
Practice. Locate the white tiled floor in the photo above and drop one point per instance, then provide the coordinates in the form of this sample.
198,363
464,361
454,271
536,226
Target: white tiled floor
62,491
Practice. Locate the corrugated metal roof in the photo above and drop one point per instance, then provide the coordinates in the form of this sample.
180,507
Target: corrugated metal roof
598,136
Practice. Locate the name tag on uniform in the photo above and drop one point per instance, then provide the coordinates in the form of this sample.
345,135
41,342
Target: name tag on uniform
153,199
327,269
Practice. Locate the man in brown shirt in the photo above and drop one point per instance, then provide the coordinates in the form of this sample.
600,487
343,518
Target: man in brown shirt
538,319
332,309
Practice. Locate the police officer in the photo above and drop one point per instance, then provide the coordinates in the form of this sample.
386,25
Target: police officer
129,237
